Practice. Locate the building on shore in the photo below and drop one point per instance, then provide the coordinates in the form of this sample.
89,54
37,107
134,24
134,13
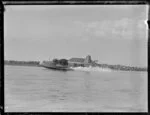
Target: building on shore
84,62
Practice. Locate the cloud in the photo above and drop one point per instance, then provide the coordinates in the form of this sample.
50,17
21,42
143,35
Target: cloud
116,29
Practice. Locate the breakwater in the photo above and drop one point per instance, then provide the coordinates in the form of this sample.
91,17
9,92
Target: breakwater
122,67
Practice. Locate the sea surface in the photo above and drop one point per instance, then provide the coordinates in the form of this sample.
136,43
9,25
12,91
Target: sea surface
37,89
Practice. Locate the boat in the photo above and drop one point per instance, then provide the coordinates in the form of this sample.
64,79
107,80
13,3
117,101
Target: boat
51,65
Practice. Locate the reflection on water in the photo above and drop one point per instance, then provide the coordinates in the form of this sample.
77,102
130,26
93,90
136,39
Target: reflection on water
38,89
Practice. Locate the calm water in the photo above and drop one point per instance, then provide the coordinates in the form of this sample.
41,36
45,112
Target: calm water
39,89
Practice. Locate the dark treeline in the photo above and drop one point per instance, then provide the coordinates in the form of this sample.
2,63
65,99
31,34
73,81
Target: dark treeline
13,62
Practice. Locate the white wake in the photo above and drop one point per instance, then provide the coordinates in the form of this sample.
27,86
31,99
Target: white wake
92,69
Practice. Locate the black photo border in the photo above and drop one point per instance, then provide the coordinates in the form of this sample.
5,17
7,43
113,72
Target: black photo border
59,2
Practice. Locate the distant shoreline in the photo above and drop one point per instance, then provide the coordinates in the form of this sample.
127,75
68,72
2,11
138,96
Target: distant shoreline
112,67
23,65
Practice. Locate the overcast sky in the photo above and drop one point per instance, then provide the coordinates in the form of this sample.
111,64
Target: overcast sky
112,34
